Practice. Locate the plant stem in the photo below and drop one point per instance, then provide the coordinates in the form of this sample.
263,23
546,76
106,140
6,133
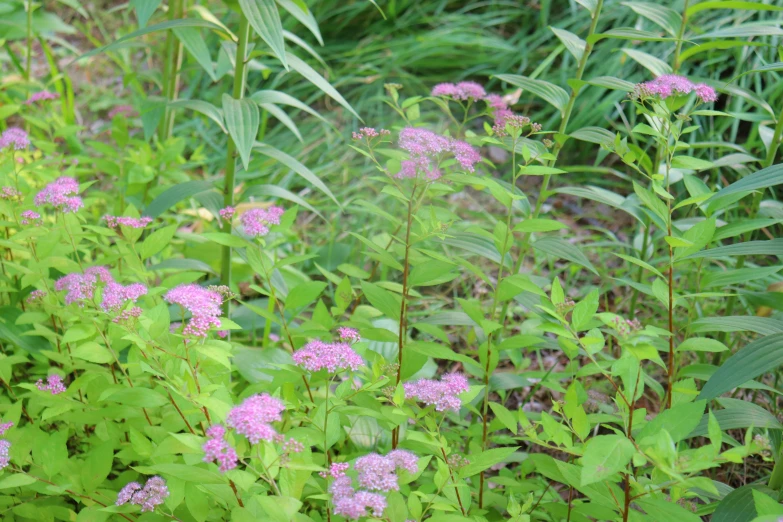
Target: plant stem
680,34
403,326
28,64
228,190
174,62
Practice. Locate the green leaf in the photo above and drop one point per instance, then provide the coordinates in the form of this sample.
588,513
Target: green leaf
560,248
169,24
16,480
300,11
742,275
184,472
539,225
552,94
758,357
144,10
771,247
732,4
193,41
303,294
174,195
655,65
242,122
594,135
506,417
687,162
737,506
738,416
281,98
264,17
679,421
316,79
584,311
380,298
574,44
293,164
604,456
157,241
762,179
97,466
701,344
738,323
659,14
205,108
138,397
224,239
627,33
484,460
431,273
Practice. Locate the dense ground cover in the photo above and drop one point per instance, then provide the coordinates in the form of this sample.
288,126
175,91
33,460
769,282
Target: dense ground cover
391,261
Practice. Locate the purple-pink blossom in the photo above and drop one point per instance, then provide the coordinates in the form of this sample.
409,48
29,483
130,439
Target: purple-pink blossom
5,459
460,91
126,315
42,96
227,214
153,494
35,295
203,305
349,335
378,473
354,504
10,193
256,221
427,149
125,221
5,426
116,295
30,217
318,355
368,133
14,137
125,110
54,384
217,450
443,394
62,194
336,470
82,286
674,85
254,416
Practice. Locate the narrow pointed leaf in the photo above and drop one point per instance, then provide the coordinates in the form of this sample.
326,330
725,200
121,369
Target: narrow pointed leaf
193,41
242,122
316,79
293,164
144,10
205,108
264,18
564,250
301,13
551,93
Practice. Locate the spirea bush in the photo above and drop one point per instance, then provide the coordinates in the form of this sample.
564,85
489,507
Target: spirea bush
178,346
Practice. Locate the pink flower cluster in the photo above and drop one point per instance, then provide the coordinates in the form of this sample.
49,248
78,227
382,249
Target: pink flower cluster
674,85
125,110
14,137
35,295
203,305
127,315
54,384
378,473
349,335
131,222
5,446
42,96
254,416
227,214
62,194
427,149
82,286
217,450
368,133
460,91
257,220
30,217
154,492
318,355
442,394
10,193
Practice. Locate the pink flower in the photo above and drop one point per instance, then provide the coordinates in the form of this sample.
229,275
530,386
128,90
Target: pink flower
10,193
154,492
227,214
443,394
495,101
352,504
378,473
131,222
5,426
30,217
54,384
222,334
460,91
125,110
369,133
15,137
42,96
252,418
350,335
35,295
317,355
62,194
673,85
82,286
217,450
116,295
336,470
127,315
445,89
257,220
5,459
427,150
203,305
